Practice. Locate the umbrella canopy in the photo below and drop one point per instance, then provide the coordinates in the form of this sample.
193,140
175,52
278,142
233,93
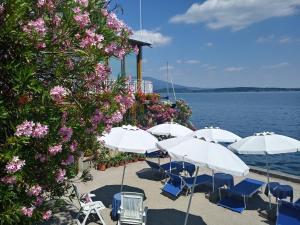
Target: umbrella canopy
204,154
266,143
130,139
217,135
170,129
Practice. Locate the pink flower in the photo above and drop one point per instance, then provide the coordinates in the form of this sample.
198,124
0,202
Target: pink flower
70,64
1,8
15,165
84,3
116,117
41,157
40,130
91,39
25,129
104,12
83,19
68,161
39,200
66,133
60,175
111,48
47,215
41,3
136,49
58,93
27,211
9,180
56,20
41,45
114,23
120,53
55,149
73,146
37,26
35,190
76,10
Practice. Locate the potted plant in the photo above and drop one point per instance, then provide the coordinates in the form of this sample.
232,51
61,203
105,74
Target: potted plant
135,158
116,161
141,157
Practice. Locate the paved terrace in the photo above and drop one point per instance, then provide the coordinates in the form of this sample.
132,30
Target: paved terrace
163,210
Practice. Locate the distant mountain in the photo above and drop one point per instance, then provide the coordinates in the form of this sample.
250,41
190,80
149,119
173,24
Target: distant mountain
161,87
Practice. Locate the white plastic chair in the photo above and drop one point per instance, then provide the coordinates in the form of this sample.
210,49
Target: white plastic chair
131,210
88,206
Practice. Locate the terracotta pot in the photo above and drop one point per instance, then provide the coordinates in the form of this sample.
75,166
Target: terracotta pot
141,159
100,166
136,159
122,163
103,167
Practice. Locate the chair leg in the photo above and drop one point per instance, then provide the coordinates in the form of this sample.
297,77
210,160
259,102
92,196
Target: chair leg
100,217
86,217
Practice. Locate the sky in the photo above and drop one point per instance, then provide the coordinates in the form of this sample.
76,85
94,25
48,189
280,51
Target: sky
219,43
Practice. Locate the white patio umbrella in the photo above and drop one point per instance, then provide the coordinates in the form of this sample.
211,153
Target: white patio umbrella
217,135
266,143
170,129
203,154
129,139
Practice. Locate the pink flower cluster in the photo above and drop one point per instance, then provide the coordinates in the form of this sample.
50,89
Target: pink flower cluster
30,129
15,165
94,80
84,3
68,161
37,26
45,3
91,39
115,50
82,19
39,200
66,133
56,20
55,149
73,146
35,190
136,49
9,180
116,117
60,175
97,117
41,157
114,23
58,93
40,130
47,215
1,8
27,211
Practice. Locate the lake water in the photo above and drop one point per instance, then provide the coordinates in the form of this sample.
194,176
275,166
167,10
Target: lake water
248,113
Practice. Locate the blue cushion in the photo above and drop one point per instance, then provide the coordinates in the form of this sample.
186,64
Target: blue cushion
236,205
171,189
289,214
247,187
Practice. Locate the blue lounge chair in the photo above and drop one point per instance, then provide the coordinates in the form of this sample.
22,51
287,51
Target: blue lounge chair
297,202
289,214
177,184
174,186
245,189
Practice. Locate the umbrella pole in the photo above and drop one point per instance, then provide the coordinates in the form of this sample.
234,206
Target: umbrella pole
213,180
268,180
190,200
124,168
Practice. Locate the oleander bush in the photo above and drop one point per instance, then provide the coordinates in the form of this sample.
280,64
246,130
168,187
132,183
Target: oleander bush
55,97
148,110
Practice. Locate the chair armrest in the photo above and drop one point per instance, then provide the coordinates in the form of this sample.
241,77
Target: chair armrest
91,195
145,211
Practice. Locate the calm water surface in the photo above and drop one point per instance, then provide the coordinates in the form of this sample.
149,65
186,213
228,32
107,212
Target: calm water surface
248,113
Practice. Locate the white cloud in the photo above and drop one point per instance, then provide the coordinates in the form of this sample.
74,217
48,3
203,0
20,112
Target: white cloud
164,68
233,69
152,36
285,40
189,61
276,66
209,44
263,39
236,14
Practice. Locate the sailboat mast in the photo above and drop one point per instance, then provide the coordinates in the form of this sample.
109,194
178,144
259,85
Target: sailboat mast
168,93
